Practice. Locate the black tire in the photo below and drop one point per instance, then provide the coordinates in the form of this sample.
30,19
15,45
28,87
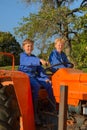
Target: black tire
9,110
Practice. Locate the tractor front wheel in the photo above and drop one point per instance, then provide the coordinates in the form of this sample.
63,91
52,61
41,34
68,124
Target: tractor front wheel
9,111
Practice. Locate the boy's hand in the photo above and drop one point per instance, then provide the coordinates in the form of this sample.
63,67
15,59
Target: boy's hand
46,63
48,81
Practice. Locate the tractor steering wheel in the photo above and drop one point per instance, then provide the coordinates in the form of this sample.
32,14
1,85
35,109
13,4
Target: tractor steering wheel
63,63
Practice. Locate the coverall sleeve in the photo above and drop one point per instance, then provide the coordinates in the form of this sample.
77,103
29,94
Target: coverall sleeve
65,59
54,60
42,73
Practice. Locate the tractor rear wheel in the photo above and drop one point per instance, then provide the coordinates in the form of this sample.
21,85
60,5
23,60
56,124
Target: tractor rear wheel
9,111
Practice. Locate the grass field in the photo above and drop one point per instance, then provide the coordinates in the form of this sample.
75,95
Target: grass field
8,67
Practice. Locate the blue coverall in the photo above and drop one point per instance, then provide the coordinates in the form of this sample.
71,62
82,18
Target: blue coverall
32,67
58,58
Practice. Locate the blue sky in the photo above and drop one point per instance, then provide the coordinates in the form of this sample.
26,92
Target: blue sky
12,12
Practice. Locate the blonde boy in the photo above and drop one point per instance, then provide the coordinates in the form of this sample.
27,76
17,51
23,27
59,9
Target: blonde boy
57,56
30,64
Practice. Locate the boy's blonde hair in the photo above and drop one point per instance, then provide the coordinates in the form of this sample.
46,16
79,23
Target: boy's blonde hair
62,40
27,41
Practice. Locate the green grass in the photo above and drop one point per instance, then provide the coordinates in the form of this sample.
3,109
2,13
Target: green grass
8,68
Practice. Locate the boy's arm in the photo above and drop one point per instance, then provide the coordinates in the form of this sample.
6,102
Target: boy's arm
54,59
43,62
66,61
42,74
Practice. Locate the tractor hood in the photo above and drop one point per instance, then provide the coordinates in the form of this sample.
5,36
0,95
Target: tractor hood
76,80
67,74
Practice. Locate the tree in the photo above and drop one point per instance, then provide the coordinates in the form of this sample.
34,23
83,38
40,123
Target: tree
53,20
9,44
79,53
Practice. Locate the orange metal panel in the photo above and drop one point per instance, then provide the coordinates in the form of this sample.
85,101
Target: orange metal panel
76,81
24,96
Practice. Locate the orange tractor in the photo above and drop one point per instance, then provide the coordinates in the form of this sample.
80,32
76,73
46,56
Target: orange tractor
16,106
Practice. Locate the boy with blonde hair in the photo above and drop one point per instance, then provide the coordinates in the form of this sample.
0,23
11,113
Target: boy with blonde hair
57,56
30,64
